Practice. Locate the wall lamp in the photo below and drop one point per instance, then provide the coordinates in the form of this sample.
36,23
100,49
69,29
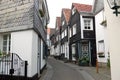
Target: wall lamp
114,4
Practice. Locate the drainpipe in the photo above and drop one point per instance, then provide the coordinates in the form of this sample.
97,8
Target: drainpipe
90,51
68,42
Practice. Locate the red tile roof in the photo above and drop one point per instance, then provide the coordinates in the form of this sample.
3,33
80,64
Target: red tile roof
82,7
58,22
52,30
66,13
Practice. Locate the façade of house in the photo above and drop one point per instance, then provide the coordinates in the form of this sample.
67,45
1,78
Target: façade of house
23,31
82,33
65,16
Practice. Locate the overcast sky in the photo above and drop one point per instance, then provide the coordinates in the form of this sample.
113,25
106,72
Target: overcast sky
55,6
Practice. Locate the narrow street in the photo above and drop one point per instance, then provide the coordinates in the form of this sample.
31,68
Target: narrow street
61,71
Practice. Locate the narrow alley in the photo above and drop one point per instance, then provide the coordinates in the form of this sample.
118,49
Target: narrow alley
58,70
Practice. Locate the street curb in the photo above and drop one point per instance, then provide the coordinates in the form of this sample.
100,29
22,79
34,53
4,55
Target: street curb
49,72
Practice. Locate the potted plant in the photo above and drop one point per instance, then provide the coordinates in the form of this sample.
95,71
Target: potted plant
84,61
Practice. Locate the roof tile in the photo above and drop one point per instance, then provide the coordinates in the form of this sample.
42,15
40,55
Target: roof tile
66,13
82,7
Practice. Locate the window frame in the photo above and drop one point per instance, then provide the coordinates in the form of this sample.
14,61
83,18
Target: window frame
74,29
7,44
89,26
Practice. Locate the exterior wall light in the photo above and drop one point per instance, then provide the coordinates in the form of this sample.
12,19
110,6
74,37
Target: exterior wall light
115,5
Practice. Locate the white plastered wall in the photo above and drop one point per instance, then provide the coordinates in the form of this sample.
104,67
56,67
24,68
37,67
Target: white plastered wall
101,34
113,28
24,43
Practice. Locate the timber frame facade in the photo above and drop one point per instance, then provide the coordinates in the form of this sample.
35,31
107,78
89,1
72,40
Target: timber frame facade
82,34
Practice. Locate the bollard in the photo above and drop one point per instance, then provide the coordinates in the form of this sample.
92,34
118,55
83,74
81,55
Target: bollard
97,66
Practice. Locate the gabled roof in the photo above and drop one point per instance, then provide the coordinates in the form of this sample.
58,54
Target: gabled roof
58,22
52,30
82,7
66,13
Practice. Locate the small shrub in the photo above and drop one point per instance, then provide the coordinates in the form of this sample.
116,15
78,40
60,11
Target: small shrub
84,60
108,63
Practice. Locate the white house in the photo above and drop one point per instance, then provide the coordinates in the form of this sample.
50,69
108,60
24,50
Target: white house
101,32
113,29
23,31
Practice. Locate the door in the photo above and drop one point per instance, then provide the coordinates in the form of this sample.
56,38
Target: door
39,57
73,52
85,49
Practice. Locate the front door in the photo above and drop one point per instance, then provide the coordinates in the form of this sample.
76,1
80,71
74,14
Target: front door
85,49
73,52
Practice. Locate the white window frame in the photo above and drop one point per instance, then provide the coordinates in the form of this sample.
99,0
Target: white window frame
74,29
101,46
73,11
63,22
65,32
70,35
87,26
62,35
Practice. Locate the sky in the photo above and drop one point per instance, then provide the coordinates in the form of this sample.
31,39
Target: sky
55,7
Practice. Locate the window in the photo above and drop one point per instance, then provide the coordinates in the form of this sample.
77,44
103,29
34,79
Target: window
88,24
65,32
73,11
70,33
74,29
62,35
101,48
56,38
6,43
63,23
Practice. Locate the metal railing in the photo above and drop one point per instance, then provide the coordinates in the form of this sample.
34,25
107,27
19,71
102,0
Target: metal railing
11,65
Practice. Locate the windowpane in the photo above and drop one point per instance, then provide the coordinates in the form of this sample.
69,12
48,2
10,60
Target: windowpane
88,27
87,24
6,43
5,37
4,49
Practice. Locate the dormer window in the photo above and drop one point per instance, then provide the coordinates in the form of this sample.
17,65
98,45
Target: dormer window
63,23
73,11
74,29
88,24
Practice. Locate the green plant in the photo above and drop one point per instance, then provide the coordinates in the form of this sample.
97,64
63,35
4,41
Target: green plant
108,63
84,60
